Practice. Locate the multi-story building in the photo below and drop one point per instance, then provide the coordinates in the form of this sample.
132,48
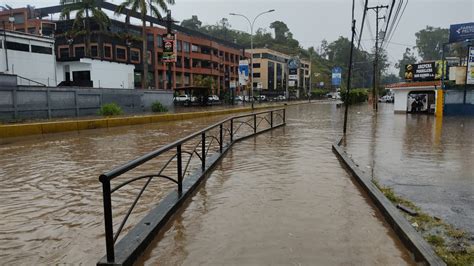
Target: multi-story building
197,53
24,20
270,71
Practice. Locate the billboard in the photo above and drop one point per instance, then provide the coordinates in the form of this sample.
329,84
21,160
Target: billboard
461,32
169,48
336,76
420,72
470,67
243,72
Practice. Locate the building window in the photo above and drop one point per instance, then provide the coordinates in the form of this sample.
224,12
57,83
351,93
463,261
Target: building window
159,41
18,46
158,57
41,49
120,53
179,47
256,75
148,57
32,30
186,47
257,55
306,72
79,51
94,51
256,65
108,51
135,56
194,48
64,52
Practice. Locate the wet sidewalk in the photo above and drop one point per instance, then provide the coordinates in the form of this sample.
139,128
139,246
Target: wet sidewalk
281,198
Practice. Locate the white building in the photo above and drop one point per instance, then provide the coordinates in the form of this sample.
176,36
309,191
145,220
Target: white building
31,57
103,74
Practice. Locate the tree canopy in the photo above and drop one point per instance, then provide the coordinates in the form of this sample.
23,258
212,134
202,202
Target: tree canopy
429,42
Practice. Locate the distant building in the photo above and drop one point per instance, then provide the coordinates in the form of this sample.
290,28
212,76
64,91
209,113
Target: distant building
270,71
31,57
24,20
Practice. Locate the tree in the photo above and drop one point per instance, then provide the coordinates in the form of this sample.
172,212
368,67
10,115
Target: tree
407,58
429,42
193,23
281,31
84,9
141,7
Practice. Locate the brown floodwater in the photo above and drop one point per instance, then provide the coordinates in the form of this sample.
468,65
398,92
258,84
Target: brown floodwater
425,159
279,198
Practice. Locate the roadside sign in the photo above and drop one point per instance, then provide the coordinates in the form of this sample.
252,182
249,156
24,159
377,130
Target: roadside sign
470,67
243,72
336,76
292,83
461,32
169,48
293,77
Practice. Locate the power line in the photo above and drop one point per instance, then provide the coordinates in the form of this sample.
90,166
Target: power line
400,18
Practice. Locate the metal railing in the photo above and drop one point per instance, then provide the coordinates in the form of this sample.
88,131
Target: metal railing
187,154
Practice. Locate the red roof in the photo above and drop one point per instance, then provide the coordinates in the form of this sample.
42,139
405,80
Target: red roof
414,84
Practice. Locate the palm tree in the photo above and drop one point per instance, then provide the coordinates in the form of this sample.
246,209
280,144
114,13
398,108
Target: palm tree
142,7
84,8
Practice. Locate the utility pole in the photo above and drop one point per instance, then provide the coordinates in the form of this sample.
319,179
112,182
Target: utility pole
349,74
376,59
169,21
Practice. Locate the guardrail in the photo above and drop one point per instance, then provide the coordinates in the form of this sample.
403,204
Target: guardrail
189,156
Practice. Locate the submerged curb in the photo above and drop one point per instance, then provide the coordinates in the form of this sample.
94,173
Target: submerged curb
20,130
422,252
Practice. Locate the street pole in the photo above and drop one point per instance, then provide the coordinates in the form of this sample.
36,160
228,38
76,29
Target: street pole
251,46
168,31
349,74
376,59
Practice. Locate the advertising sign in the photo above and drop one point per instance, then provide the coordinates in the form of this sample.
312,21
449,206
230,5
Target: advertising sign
169,48
293,77
243,72
470,66
336,76
420,72
461,32
293,63
292,83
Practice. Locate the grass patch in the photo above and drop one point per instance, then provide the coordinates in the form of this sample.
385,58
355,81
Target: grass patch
110,109
157,107
453,245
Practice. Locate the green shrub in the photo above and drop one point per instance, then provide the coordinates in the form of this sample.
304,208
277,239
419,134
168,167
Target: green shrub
318,93
110,109
356,96
157,107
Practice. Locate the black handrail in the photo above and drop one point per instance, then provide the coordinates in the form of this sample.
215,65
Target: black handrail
227,128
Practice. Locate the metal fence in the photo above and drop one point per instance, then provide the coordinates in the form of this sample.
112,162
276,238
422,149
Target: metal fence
30,102
193,155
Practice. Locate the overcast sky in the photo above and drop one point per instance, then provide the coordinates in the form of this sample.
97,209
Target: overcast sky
311,21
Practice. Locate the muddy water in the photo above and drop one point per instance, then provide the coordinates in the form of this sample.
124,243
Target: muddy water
50,196
280,198
427,160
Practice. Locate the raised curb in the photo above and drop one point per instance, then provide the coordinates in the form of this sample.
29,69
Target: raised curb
421,251
27,129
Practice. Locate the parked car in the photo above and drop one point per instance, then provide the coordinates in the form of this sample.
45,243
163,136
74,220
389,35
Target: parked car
213,98
263,98
386,99
238,98
280,98
183,98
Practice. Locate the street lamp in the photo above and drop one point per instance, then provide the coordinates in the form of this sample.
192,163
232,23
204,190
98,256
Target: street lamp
251,23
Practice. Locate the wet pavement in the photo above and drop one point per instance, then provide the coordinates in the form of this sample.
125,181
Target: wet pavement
427,160
281,198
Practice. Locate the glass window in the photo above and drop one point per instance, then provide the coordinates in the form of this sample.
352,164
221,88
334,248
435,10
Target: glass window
107,51
41,49
159,41
256,75
179,47
186,47
256,65
135,56
94,51
32,30
121,53
18,46
64,52
195,48
257,55
79,51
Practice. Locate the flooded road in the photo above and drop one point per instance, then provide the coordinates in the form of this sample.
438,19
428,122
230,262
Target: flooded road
281,198
427,160
51,199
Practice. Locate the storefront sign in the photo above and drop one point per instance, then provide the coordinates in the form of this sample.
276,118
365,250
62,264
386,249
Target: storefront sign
336,76
169,48
461,32
420,72
470,66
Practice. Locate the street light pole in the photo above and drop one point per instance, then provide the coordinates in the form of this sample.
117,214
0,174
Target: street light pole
251,23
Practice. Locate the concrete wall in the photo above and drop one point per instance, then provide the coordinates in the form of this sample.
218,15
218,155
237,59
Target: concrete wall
459,102
17,103
104,74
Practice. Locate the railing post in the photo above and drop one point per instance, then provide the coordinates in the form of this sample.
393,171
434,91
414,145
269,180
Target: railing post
271,119
231,129
284,116
180,169
203,152
220,138
254,124
109,231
